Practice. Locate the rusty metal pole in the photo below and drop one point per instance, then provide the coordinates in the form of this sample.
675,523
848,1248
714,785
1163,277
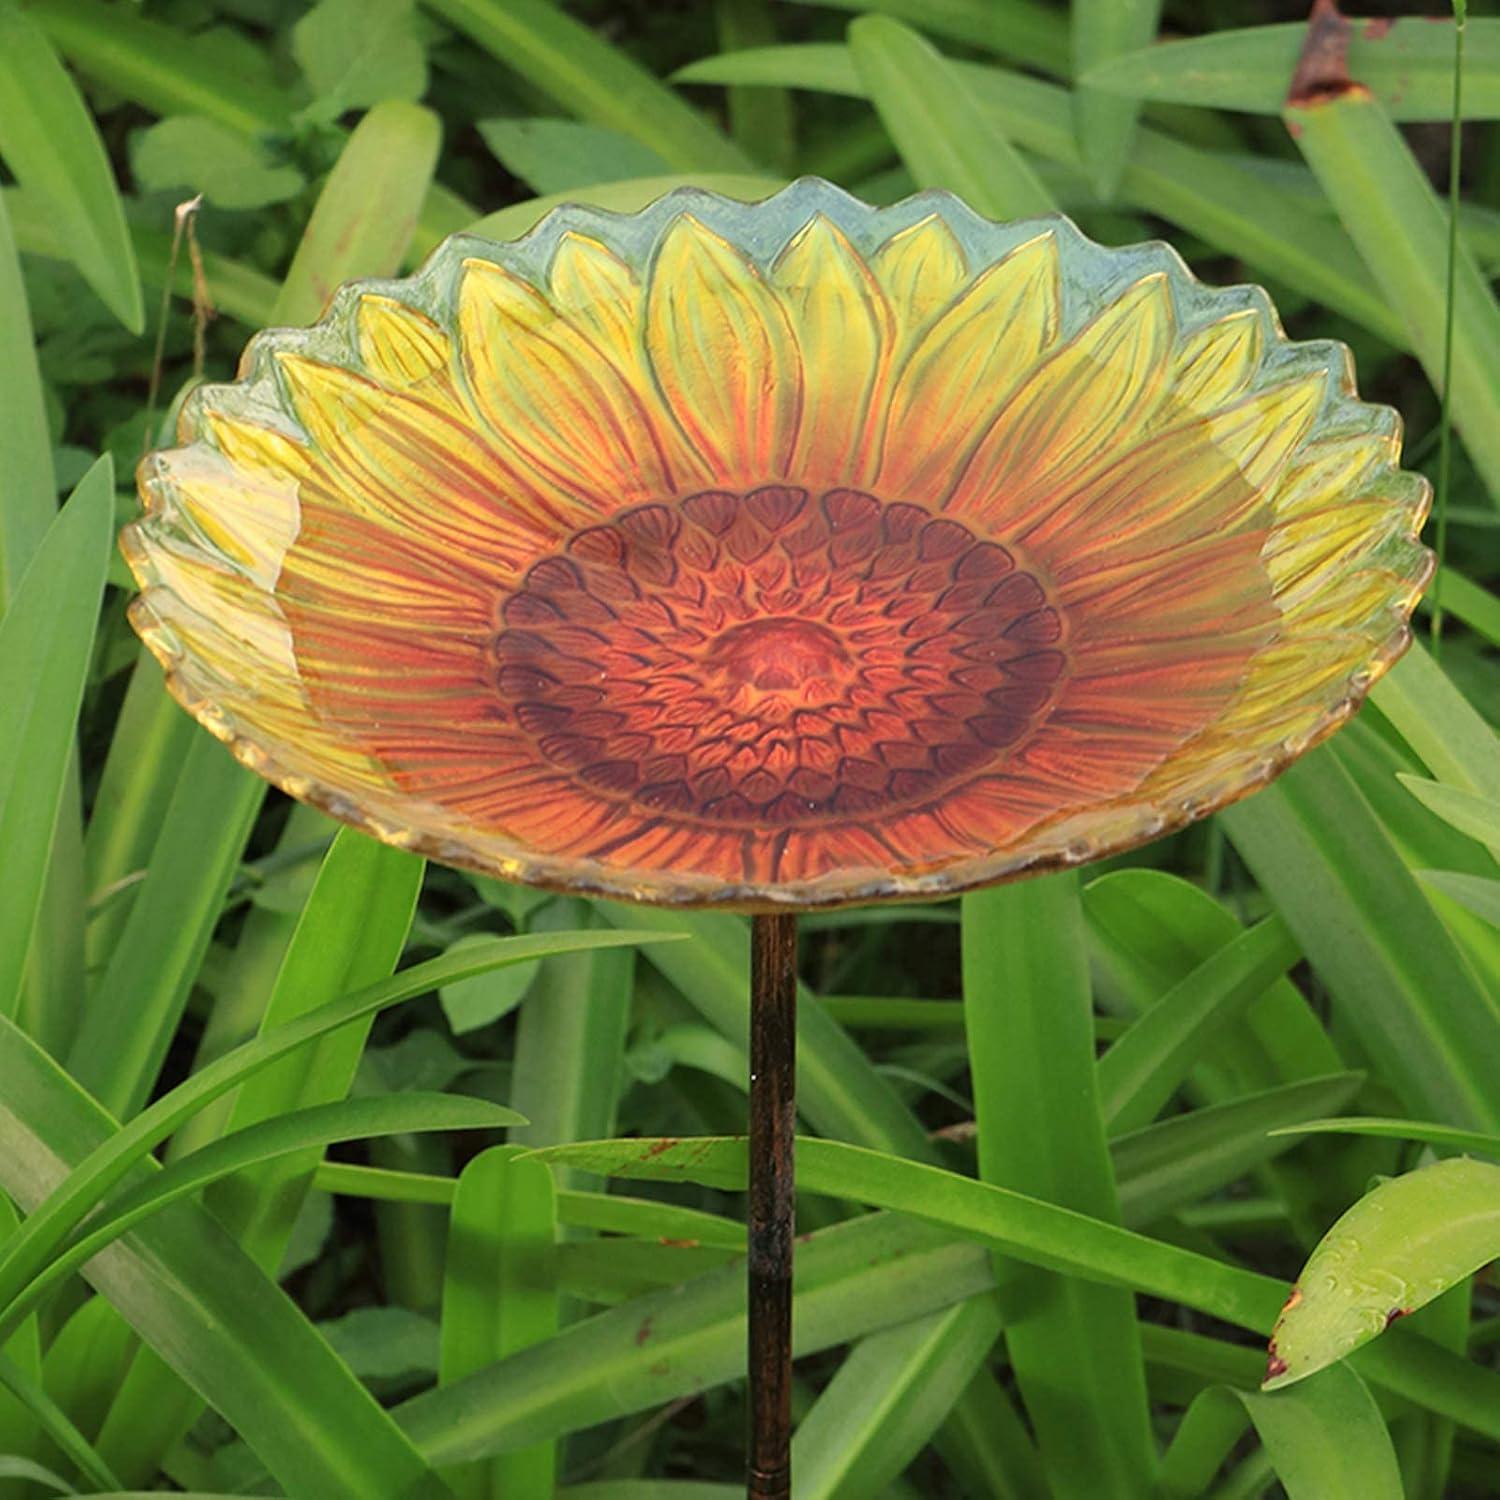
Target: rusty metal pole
773,1114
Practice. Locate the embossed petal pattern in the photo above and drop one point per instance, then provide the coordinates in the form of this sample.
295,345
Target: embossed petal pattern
786,554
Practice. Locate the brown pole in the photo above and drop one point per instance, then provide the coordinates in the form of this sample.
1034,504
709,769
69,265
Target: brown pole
773,1114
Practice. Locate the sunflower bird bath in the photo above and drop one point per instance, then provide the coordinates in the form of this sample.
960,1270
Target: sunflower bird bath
777,556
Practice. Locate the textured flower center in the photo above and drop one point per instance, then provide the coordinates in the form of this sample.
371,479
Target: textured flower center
777,657
781,656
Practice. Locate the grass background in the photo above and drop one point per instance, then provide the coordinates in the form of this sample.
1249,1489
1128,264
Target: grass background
329,1265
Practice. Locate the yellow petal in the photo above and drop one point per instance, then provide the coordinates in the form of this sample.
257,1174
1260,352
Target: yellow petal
247,445
543,390
249,515
1213,365
393,459
922,270
1079,412
398,345
965,366
844,328
597,292
724,356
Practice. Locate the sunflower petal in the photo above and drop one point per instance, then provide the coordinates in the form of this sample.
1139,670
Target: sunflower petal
922,270
725,358
1089,400
967,363
845,330
398,345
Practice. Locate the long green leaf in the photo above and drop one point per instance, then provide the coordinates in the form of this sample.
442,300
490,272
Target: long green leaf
52,147
1406,64
1473,892
500,1295
1318,851
593,80
1395,1250
1025,30
291,1134
1387,203
350,935
851,1279
1444,1137
942,134
1145,1066
1328,1442
1101,30
1469,812
1189,1156
45,641
1028,1015
190,1292
367,212
133,1010
28,501
887,1398
26,1252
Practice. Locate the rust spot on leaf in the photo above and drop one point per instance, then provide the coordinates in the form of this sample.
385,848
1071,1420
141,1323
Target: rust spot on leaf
1275,1364
680,1244
658,1147
661,1367
1323,68
643,1332
1396,1312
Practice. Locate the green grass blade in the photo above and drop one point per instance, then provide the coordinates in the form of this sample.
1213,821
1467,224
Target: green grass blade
1105,122
612,1212
851,1279
1386,202
1400,1246
1027,1007
160,66
29,500
1025,30
1323,858
1147,1064
350,935
1469,812
579,70
1473,892
1439,723
49,142
570,1041
45,643
762,121
24,1254
1407,66
190,1292
151,739
887,1398
134,1009
292,1134
500,1295
943,136
1329,1441
55,1423
367,212
1443,1137
1177,1161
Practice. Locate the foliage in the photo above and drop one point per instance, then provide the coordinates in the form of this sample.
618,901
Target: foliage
244,1249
